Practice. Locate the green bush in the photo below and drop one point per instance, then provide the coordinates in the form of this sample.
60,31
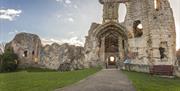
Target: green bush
8,61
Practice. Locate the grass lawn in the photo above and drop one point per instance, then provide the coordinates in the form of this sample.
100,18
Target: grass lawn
33,80
145,82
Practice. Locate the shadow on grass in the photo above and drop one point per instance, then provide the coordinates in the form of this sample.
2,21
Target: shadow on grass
36,70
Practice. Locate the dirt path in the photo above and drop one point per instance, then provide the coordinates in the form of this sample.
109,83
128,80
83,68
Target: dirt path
105,80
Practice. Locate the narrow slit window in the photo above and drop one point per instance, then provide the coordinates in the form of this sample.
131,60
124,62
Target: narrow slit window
123,44
33,53
156,4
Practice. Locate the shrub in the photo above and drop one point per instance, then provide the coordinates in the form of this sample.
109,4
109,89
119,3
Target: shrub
8,61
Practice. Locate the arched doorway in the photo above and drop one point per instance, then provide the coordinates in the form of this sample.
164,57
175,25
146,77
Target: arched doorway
111,48
113,44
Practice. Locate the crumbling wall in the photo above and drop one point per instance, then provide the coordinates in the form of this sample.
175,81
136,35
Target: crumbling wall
158,41
63,57
27,46
162,30
31,53
91,47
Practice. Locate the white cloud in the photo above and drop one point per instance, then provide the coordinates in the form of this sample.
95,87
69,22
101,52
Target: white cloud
75,6
13,32
71,41
68,1
59,16
71,33
65,1
59,0
70,19
50,41
9,14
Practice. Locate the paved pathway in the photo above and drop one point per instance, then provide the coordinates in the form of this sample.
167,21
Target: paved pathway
105,80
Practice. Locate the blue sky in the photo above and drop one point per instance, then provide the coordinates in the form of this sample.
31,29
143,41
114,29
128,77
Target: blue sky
57,20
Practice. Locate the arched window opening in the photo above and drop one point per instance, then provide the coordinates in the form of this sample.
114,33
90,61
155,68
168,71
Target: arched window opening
122,12
163,50
33,53
25,53
123,44
111,43
137,28
156,4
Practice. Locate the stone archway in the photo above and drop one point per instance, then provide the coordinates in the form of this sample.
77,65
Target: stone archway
112,40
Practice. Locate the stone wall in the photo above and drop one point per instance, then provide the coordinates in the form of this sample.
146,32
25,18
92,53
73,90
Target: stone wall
91,49
150,31
147,36
63,57
27,46
139,68
157,33
31,53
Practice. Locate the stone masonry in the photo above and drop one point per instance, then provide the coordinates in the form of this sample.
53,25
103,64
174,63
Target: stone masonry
147,35
31,53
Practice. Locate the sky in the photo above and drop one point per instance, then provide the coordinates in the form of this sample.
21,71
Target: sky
58,20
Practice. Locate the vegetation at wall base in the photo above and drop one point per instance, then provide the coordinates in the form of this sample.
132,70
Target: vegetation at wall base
8,61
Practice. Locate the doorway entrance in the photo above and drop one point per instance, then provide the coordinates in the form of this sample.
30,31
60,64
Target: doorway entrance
112,44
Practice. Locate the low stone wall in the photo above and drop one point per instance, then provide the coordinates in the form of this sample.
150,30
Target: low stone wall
177,71
139,68
145,68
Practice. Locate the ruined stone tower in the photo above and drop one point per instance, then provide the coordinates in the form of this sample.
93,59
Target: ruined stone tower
147,35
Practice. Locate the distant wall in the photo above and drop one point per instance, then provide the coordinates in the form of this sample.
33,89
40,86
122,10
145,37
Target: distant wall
139,68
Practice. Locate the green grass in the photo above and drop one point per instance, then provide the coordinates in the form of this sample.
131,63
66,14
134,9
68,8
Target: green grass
145,82
36,70
41,81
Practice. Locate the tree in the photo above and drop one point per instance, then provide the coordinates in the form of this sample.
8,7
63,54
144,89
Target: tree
8,61
0,61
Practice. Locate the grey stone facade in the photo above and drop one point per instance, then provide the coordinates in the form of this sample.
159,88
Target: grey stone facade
31,53
147,35
63,57
27,47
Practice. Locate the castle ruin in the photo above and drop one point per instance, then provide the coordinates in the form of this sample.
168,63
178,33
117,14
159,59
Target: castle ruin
147,35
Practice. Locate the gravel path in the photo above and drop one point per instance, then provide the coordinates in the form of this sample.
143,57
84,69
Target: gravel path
105,80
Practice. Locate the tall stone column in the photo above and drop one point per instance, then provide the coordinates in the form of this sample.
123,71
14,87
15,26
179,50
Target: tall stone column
102,51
